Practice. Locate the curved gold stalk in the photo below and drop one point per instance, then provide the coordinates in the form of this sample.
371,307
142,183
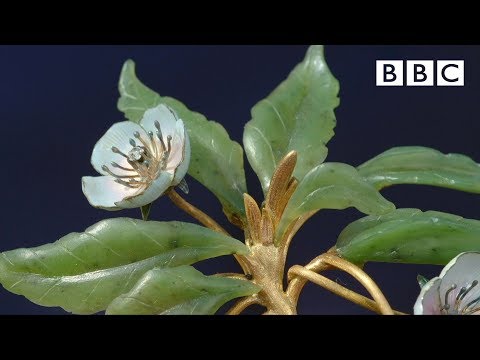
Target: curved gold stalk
198,214
206,220
336,288
327,261
363,278
244,303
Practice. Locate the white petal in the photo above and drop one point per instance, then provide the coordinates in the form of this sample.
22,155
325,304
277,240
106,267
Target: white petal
179,159
119,136
182,169
103,192
428,302
178,146
461,271
152,193
166,119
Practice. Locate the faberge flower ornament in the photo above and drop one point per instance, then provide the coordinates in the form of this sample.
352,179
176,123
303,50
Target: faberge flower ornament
148,265
456,291
138,163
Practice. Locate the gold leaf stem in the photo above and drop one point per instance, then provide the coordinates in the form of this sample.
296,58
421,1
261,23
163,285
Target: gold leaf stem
329,260
207,221
337,289
363,278
193,211
242,304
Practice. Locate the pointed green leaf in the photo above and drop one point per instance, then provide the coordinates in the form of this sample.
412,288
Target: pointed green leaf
409,236
216,161
297,115
333,186
424,166
179,291
84,272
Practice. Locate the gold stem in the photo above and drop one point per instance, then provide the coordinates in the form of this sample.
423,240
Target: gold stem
296,284
242,304
231,276
363,278
207,221
291,232
198,214
337,289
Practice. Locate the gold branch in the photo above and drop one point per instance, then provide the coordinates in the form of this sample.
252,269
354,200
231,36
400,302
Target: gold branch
207,221
337,289
242,304
296,284
231,276
193,211
363,278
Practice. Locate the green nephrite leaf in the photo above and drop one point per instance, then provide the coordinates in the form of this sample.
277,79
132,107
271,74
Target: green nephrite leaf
333,186
84,272
424,166
179,291
409,236
216,161
297,115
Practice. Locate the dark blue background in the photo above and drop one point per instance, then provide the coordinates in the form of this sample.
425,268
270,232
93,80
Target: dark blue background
56,101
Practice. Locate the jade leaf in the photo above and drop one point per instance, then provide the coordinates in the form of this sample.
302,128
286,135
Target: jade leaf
424,166
179,291
216,161
409,236
297,115
84,272
333,186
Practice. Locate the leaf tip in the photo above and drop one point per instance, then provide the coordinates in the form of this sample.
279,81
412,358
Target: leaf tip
315,50
129,64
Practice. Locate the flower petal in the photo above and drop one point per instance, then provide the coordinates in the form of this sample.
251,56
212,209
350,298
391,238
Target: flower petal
152,193
118,136
179,159
182,169
428,302
178,145
461,271
166,118
103,192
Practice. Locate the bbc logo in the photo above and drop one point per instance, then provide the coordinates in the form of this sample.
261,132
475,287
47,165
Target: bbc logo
420,73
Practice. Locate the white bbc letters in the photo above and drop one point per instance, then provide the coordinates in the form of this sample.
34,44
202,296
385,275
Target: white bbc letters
450,73
390,73
420,73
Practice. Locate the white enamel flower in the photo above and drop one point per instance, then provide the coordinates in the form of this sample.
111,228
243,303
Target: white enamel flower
138,162
456,291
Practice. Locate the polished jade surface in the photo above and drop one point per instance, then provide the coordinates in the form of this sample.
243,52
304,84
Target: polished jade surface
179,291
298,115
333,186
409,236
84,272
